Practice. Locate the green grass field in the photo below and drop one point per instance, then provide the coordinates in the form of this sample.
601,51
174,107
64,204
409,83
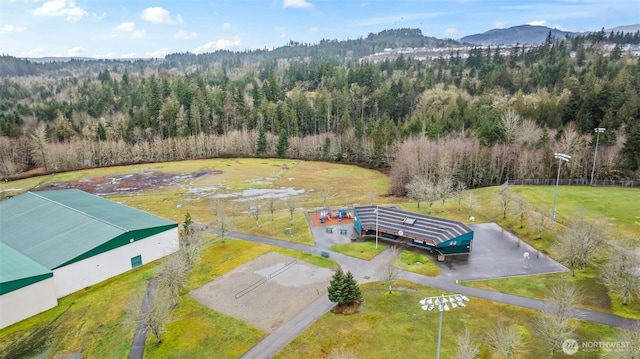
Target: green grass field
97,323
394,326
417,263
362,250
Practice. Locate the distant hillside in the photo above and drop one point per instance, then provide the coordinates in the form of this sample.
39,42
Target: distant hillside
624,29
523,34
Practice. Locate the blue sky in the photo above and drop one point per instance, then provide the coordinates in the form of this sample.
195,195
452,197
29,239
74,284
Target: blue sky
141,28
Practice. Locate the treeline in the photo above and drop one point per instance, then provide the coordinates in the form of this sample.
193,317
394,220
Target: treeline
336,110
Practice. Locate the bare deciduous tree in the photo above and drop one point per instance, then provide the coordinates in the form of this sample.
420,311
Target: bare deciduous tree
271,202
223,224
467,348
471,201
444,187
215,206
509,122
291,205
619,272
521,208
391,272
39,137
191,243
504,199
173,276
555,325
631,338
542,221
325,194
506,341
459,192
372,197
255,211
155,314
417,189
580,242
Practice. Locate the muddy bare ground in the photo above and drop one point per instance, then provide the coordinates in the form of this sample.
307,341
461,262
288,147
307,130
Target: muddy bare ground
266,292
106,185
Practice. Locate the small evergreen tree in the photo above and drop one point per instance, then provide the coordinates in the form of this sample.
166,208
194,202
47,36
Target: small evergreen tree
261,146
343,288
337,287
283,143
353,289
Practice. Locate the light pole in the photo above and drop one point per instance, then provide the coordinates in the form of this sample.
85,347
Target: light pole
441,303
561,157
375,211
597,130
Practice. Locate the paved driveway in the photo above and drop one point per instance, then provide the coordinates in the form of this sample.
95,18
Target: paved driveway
496,254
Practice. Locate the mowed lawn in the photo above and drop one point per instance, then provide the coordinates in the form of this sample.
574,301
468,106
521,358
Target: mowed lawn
620,207
394,326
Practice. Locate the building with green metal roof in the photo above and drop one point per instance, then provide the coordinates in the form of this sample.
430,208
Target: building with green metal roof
72,240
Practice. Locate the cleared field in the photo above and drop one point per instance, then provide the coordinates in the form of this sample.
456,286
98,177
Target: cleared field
394,326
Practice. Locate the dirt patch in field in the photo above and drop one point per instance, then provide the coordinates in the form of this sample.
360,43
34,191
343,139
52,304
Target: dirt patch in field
105,185
266,292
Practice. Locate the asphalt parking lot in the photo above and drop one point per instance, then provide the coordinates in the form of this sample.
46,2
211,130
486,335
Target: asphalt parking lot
496,254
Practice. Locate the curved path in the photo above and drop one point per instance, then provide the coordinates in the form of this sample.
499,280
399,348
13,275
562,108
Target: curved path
140,338
370,271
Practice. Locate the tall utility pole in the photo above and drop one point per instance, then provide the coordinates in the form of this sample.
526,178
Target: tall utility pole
597,130
561,157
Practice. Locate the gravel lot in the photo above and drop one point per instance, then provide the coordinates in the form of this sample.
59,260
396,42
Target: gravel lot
267,291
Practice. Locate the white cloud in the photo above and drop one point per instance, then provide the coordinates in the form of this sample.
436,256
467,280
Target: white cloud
158,53
126,26
66,8
5,29
296,3
451,31
76,51
226,26
314,29
138,34
538,23
283,35
130,27
221,44
158,15
130,55
499,25
184,35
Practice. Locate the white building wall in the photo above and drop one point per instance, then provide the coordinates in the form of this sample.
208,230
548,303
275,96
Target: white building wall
87,272
26,302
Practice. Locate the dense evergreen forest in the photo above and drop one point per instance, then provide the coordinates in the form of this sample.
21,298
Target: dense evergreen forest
478,116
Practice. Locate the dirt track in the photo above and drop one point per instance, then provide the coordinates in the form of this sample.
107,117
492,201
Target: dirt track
278,299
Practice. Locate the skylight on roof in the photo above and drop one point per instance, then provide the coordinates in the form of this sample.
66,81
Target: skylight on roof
409,221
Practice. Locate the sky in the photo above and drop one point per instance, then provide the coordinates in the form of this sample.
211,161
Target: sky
145,29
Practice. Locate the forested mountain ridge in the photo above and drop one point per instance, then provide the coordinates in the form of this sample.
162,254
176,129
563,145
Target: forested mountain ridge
523,34
478,119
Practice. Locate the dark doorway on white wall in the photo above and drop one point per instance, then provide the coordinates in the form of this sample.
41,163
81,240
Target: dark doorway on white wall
136,261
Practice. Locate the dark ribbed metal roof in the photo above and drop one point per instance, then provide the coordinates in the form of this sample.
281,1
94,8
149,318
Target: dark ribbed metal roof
393,219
